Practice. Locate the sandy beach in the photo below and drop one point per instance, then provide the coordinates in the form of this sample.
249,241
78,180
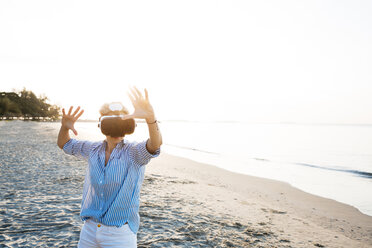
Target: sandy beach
233,210
183,203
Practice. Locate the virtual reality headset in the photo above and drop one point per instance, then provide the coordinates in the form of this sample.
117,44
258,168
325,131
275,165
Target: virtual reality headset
115,126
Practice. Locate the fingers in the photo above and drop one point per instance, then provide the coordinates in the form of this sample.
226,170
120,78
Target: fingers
138,92
81,112
76,111
69,111
146,94
131,98
74,131
136,96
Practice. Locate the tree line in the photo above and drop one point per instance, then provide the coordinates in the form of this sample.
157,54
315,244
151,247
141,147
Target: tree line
26,105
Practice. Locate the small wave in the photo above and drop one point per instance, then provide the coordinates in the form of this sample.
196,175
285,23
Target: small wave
192,149
262,159
364,174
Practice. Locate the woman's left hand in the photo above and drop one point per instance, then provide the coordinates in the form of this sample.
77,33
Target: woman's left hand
142,106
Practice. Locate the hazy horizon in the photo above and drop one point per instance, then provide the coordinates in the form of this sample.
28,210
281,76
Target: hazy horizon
266,61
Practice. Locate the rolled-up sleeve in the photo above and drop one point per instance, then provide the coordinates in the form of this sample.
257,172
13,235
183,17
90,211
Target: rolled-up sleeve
79,148
140,155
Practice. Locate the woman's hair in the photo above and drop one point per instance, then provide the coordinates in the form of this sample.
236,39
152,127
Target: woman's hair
113,108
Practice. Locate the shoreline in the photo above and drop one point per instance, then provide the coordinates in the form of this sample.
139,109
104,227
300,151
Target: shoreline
213,162
293,216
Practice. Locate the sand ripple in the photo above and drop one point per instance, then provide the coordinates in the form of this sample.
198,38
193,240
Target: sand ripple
171,219
40,188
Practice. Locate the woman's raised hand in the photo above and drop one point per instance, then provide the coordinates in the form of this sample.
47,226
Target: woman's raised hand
68,120
142,106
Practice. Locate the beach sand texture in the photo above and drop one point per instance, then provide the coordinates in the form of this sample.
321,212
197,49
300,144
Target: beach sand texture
183,203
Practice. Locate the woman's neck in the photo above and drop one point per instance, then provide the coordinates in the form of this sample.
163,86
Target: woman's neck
112,142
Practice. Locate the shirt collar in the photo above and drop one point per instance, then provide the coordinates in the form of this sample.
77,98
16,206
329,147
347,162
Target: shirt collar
121,143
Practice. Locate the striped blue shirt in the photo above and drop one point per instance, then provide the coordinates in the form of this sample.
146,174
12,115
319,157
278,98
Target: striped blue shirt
111,193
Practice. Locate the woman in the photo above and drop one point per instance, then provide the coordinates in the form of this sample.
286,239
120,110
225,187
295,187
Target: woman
115,172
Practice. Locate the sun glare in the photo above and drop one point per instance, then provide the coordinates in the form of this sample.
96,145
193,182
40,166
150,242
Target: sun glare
233,60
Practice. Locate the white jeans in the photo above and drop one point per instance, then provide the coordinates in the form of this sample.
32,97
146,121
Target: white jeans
95,234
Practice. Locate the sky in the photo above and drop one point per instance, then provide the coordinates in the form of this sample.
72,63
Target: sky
255,61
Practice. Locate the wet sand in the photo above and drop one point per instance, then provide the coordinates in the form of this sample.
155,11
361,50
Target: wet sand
183,203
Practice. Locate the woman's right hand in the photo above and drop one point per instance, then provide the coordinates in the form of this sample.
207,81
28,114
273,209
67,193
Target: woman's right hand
68,120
